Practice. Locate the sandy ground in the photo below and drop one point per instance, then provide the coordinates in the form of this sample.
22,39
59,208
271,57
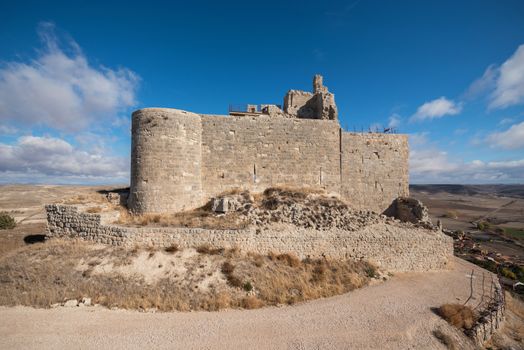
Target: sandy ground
392,315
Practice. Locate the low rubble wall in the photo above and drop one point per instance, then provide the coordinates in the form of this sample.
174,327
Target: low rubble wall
491,318
393,247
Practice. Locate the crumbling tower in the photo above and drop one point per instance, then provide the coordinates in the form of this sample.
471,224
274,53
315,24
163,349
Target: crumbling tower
319,104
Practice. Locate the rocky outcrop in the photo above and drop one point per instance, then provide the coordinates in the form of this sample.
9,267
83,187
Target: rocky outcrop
411,210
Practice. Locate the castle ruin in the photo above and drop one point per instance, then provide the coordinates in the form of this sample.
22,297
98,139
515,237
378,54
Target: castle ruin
180,159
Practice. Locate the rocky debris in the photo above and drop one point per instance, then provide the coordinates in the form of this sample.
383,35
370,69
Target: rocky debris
71,303
313,209
117,198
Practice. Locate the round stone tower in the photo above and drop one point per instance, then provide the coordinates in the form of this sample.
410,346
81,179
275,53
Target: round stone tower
165,161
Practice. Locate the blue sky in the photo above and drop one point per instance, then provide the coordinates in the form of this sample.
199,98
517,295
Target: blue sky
449,73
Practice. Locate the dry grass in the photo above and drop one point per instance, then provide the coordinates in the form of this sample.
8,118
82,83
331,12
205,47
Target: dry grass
207,249
88,198
168,279
458,315
445,339
200,217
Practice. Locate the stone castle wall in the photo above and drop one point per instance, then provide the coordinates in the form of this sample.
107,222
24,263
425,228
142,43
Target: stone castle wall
180,159
165,160
389,246
259,152
374,169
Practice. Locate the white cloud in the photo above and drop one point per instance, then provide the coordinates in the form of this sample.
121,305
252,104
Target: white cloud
434,166
436,109
503,85
506,121
8,130
509,88
417,139
41,158
63,91
513,138
460,131
428,164
394,121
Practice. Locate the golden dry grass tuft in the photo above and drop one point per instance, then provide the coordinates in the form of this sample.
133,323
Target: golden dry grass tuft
445,339
169,278
460,316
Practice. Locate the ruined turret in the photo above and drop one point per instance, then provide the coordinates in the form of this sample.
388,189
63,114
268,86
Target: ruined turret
320,104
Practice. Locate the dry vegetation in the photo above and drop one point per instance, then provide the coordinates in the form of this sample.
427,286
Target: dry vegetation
202,217
460,316
169,279
446,339
7,222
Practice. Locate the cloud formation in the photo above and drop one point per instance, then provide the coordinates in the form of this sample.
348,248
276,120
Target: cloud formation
63,91
38,159
513,138
394,121
436,109
502,85
509,85
428,164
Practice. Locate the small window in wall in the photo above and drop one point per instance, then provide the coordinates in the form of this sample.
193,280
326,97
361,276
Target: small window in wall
254,173
320,176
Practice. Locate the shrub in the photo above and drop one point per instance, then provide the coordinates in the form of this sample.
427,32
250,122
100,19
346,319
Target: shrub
7,222
483,225
289,258
371,271
248,287
207,249
508,273
93,210
460,316
227,268
252,302
173,248
452,214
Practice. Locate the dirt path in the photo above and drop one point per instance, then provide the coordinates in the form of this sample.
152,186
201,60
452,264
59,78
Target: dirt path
496,210
392,315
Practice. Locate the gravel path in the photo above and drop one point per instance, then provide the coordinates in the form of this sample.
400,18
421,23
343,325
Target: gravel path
391,315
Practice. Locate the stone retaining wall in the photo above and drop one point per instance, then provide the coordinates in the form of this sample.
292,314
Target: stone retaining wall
394,247
490,320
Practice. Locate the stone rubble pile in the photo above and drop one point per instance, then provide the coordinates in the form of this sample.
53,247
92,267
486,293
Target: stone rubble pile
308,210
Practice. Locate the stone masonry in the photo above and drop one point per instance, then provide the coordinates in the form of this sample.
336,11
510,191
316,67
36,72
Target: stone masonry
179,159
395,246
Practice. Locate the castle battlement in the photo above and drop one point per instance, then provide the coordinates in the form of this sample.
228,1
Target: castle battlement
180,159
